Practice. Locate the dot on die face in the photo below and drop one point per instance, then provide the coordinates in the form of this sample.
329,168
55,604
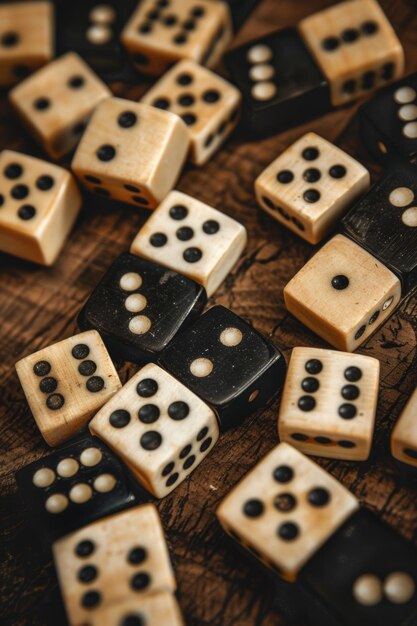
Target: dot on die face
105,483
43,477
403,95
410,130
259,54
139,325
56,503
130,281
264,91
401,196
399,587
367,590
263,71
408,112
99,34
231,337
409,217
67,467
201,367
80,493
135,303
91,456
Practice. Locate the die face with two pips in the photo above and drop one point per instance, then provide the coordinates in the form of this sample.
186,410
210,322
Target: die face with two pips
131,152
329,403
66,383
139,306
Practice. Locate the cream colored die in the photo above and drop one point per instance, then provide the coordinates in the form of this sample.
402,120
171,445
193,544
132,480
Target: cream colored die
103,563
161,33
132,152
404,435
160,429
329,403
56,103
208,104
285,509
160,609
310,186
343,293
39,203
26,36
355,46
66,383
193,239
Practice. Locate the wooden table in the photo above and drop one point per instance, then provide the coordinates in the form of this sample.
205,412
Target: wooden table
38,307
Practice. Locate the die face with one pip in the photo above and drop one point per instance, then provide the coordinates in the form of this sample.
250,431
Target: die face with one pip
105,562
160,429
285,509
77,484
39,203
384,222
131,152
329,402
310,186
193,239
226,362
56,103
404,435
388,122
343,293
161,32
66,383
280,82
160,609
355,46
207,103
26,39
138,307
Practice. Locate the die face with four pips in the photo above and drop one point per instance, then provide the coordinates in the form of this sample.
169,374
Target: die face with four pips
329,403
343,293
138,307
66,383
160,429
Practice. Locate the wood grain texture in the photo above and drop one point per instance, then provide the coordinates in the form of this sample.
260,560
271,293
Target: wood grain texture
38,307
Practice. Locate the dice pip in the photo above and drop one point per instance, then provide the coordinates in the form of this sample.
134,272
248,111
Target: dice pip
355,46
310,186
208,104
404,434
280,82
160,609
66,383
131,152
161,32
193,239
139,306
26,39
77,484
102,564
56,103
384,222
285,509
39,203
343,293
160,429
226,362
329,402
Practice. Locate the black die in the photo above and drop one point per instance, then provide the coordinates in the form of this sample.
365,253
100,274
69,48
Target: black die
240,10
138,307
388,122
227,363
280,82
384,222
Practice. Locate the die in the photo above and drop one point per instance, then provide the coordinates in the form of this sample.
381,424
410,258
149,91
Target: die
160,429
329,403
285,509
77,484
310,186
26,39
160,609
240,10
93,29
103,563
343,294
388,122
404,434
208,104
66,383
131,152
139,306
365,574
193,239
280,82
39,203
161,32
384,223
225,361
57,101
355,46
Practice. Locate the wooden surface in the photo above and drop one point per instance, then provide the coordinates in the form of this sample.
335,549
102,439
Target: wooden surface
38,307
